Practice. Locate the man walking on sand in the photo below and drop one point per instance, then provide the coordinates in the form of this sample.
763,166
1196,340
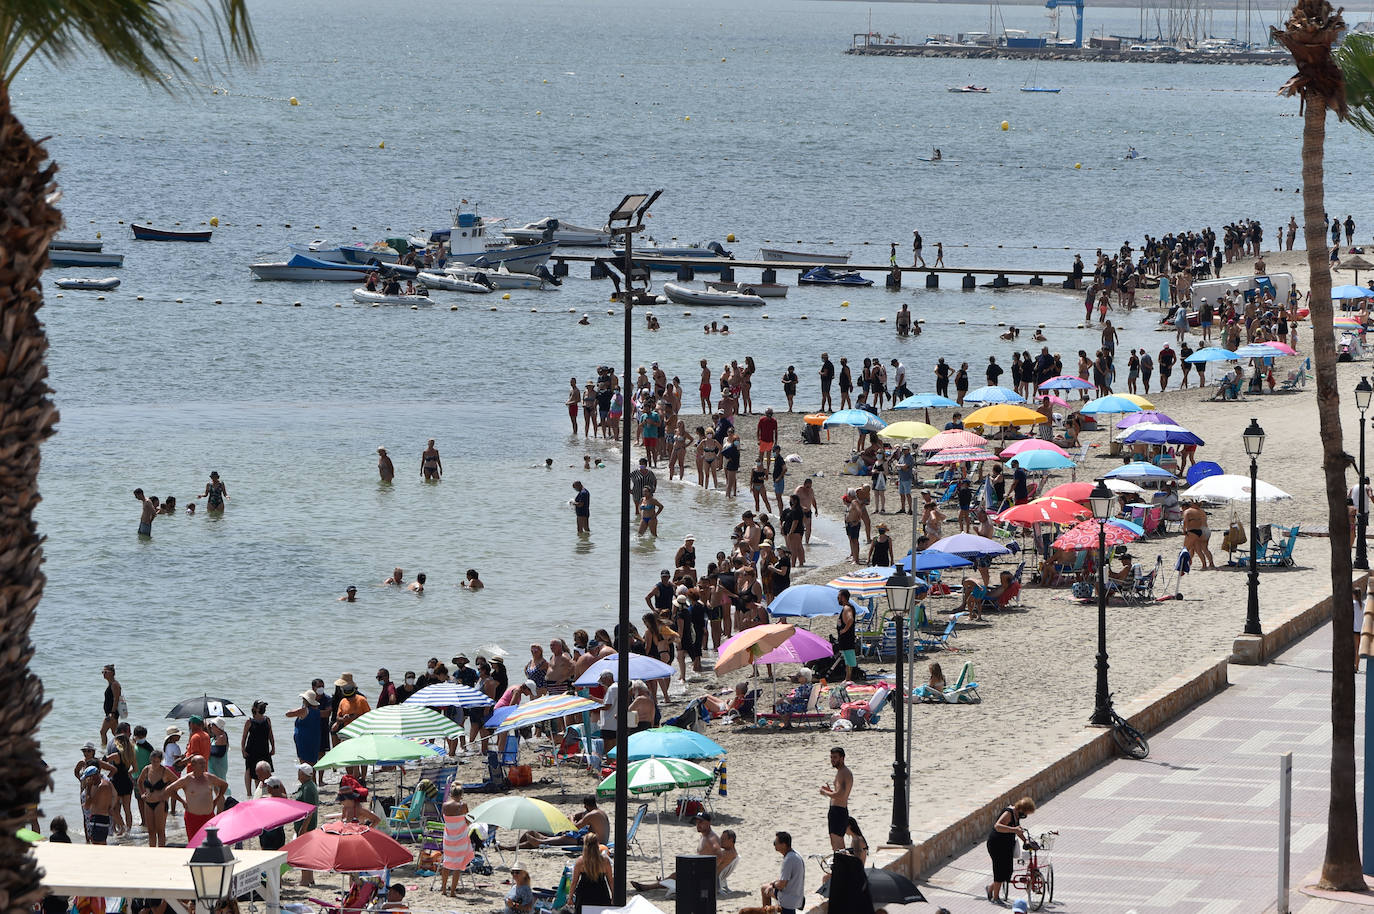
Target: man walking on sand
837,816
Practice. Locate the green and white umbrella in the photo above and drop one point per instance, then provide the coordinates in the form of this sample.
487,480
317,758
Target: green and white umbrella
404,721
521,814
656,776
372,750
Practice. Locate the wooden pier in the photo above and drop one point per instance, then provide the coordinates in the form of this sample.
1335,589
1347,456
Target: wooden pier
724,270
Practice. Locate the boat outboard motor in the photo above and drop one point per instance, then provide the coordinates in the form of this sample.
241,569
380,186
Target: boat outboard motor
481,279
715,248
550,226
543,273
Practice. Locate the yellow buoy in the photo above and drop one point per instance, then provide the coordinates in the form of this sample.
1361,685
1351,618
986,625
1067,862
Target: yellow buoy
97,234
294,101
1077,164
1006,125
844,304
451,307
537,113
730,237
505,297
195,60
722,60
214,220
546,82
382,144
686,117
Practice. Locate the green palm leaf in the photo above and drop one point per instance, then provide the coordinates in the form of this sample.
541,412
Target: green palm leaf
1356,59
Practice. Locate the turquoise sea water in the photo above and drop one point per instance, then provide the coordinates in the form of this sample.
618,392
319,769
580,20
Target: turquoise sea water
545,108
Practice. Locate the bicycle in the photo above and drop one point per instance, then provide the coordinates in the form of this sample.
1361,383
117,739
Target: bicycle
1037,878
1128,739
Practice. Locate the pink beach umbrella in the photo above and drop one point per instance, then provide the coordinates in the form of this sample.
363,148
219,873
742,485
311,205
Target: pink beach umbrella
802,647
253,817
1033,444
1281,347
954,437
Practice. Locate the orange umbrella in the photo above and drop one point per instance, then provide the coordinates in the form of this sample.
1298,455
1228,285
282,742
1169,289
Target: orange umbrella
752,644
1047,510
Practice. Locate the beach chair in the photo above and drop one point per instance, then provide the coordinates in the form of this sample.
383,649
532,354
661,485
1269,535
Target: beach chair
693,801
555,899
1279,555
1143,589
965,689
497,763
407,820
808,715
948,495
359,896
988,604
1074,571
632,835
1297,379
926,641
748,708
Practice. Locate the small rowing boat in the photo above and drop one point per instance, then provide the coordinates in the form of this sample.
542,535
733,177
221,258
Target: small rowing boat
364,297
60,258
761,289
803,256
91,285
306,269
1041,89
685,296
453,283
148,233
92,247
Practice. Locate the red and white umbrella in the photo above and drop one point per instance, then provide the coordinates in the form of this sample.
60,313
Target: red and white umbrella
1084,536
954,437
962,455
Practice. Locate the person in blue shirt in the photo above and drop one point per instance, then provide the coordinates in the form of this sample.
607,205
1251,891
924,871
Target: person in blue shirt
520,898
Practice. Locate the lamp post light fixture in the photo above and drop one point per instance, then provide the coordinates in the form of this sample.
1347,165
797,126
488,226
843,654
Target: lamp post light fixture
1254,446
1363,392
901,596
1100,502
212,870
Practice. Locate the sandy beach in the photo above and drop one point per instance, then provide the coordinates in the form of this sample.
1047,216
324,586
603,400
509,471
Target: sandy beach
1034,665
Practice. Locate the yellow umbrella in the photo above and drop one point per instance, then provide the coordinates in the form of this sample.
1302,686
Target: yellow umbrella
1004,414
752,644
1138,400
908,431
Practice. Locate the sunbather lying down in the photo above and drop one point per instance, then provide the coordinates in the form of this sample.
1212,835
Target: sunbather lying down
975,594
722,705
591,820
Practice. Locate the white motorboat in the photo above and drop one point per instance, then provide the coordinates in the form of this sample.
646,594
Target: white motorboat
319,250
803,256
501,278
364,297
306,269
711,250
453,282
93,285
359,253
565,233
761,289
685,296
467,244
64,258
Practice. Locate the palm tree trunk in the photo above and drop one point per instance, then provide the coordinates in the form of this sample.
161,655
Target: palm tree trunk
1341,868
28,221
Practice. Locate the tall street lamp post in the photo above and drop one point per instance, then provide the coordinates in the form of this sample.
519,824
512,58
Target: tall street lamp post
1254,445
1100,501
901,594
1363,391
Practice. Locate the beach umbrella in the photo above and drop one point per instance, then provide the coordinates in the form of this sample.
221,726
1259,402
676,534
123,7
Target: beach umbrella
754,642
1357,263
925,401
1128,525
205,708
29,836
1122,486
450,695
498,716
405,721
908,431
1227,487
1212,354
993,394
962,455
658,775
1004,414
1043,460
1352,292
550,707
250,818
347,847
1256,351
1084,536
1348,322
1073,491
1048,510
1200,471
886,887
1149,415
1138,400
860,419
966,544
1112,403
641,667
954,437
802,647
1281,347
1057,401
1032,444
1138,470
669,742
930,560
1066,382
521,814
866,582
806,600
370,750
1160,433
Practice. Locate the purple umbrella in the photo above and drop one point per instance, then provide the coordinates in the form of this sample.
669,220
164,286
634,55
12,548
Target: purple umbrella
802,647
1147,416
968,544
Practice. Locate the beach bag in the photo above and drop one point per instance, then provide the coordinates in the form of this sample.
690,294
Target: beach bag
520,775
688,808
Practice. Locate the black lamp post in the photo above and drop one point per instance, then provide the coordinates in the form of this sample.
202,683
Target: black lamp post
901,594
1363,391
1100,501
1254,444
212,870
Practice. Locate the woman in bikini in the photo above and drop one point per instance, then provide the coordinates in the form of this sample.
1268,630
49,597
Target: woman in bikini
537,670
431,467
710,456
746,382
649,510
588,410
151,781
677,453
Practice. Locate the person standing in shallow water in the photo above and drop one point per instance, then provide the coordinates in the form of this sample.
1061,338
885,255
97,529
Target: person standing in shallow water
215,494
150,508
385,468
431,467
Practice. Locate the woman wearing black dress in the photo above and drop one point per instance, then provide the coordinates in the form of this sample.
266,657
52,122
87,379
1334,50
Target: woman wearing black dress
1002,843
591,876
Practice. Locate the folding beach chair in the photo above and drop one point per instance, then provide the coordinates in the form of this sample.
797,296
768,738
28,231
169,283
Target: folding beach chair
632,835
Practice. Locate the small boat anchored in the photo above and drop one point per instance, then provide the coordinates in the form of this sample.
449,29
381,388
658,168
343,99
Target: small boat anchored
970,89
685,296
148,233
364,297
761,289
565,233
90,285
780,254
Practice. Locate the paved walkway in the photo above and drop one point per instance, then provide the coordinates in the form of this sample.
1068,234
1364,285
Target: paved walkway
1193,829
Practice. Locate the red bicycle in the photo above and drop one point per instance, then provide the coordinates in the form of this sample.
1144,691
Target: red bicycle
1038,877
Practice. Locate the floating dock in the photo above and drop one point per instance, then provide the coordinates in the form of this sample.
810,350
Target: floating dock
1087,54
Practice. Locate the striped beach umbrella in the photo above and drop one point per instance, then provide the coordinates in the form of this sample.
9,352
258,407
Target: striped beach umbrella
550,707
659,775
450,695
1066,382
962,455
404,721
867,582
954,437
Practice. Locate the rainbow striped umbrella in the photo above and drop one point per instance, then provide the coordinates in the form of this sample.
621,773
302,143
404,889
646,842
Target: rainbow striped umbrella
962,455
550,707
869,582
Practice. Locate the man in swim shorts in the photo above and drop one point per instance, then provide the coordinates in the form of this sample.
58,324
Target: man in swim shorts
99,797
150,509
837,816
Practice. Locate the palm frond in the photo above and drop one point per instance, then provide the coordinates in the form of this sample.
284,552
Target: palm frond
1356,59
145,37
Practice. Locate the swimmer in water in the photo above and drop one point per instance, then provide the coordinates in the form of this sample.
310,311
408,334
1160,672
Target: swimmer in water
584,321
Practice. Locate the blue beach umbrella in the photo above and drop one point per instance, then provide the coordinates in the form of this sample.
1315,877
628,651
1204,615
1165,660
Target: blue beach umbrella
1126,525
1257,351
670,742
807,600
857,418
1066,382
929,560
1158,433
1138,470
993,394
641,667
1352,292
966,544
1200,471
1043,460
925,401
1212,354
1109,404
